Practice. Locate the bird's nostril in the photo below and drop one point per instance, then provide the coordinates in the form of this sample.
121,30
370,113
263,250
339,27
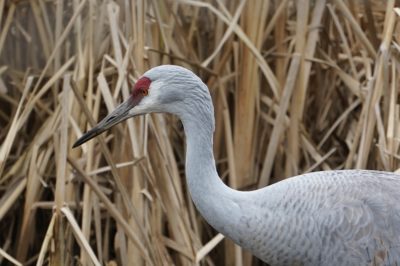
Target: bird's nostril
110,118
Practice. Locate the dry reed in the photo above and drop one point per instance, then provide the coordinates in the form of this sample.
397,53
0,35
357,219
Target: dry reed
298,86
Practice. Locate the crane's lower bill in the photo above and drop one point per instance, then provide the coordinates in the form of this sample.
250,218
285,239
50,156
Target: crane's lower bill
118,115
87,136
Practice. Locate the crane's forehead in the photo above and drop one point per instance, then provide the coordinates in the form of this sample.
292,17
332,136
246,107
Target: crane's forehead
143,82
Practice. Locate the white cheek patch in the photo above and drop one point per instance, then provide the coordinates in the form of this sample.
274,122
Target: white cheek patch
154,94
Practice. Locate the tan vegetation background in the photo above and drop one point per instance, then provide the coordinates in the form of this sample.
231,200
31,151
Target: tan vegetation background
298,86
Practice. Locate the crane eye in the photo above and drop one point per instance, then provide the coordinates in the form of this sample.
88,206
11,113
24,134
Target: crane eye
145,92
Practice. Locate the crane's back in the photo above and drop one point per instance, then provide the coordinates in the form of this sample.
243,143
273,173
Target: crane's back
348,217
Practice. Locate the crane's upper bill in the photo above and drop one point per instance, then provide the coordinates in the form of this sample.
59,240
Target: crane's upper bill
120,113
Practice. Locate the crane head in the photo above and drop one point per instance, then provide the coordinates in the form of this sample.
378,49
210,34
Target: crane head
160,89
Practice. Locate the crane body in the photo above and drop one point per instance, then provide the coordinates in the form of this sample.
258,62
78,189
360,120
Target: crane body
342,217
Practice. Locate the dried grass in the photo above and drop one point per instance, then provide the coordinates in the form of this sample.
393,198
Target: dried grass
298,86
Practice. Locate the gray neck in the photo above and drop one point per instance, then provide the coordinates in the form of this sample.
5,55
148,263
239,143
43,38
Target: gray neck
213,199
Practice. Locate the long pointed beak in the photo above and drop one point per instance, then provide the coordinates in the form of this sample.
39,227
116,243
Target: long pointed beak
118,115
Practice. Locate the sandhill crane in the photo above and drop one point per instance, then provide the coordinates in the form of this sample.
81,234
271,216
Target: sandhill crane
346,217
